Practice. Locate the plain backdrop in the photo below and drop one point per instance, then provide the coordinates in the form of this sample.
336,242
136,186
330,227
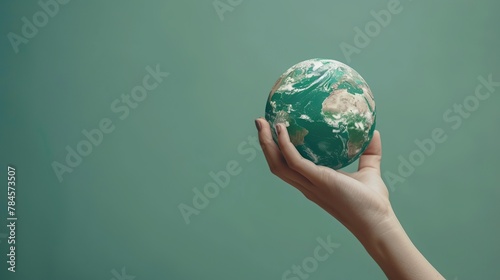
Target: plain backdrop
118,209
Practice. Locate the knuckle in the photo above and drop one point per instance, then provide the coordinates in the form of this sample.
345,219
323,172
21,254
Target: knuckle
262,142
309,196
265,143
324,176
276,170
295,164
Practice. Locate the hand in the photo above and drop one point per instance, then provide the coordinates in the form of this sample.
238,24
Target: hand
359,200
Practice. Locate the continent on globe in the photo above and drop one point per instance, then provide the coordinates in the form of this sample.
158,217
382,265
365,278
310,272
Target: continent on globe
328,109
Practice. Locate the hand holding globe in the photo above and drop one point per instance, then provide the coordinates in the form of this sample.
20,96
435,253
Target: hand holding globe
320,116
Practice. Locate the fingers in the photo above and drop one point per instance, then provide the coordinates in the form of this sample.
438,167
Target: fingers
276,161
372,156
287,163
294,159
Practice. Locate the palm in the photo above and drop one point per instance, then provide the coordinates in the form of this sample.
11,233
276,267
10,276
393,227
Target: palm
371,179
353,198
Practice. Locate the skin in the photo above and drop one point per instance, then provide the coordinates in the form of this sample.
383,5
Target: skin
359,200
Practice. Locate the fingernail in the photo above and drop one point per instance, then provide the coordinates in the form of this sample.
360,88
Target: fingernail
278,128
257,124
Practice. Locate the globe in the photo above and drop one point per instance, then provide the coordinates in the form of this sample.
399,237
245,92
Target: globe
327,108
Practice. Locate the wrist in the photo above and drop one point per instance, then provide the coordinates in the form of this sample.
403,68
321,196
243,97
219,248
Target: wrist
386,229
392,249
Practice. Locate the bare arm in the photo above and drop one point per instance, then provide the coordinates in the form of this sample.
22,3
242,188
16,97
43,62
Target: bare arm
359,200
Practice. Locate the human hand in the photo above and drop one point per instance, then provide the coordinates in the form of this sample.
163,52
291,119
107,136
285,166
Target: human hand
359,200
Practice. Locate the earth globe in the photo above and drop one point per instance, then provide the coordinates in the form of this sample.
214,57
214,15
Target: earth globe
327,108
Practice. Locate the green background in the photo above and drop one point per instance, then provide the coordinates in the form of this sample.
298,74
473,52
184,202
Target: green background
119,207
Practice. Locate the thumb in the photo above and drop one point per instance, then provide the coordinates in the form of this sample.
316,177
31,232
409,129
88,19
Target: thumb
373,154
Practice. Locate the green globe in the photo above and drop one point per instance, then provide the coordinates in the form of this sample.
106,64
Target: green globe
328,109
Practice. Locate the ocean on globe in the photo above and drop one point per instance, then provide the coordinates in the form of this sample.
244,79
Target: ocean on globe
328,109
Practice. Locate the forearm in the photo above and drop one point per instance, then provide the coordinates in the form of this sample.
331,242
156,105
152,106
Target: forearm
392,249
